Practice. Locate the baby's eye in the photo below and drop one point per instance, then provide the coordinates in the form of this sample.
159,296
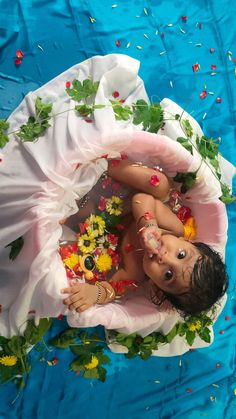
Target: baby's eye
181,254
168,275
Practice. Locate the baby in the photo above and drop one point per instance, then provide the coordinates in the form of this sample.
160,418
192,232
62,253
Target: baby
190,275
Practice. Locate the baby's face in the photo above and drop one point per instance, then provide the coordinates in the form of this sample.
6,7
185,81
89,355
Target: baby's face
172,267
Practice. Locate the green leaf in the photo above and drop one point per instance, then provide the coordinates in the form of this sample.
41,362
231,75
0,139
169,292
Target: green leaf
148,339
122,112
190,336
102,374
173,332
103,359
151,116
83,90
36,126
226,196
64,339
182,329
185,143
76,365
42,109
17,346
207,147
187,127
16,247
94,373
205,334
33,334
4,125
188,180
146,354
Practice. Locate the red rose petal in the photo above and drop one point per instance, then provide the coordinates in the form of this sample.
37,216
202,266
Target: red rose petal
218,365
162,35
184,18
123,156
68,84
154,180
213,67
189,390
218,100
115,162
89,121
129,248
118,44
122,100
59,317
212,50
195,67
17,61
104,156
115,94
120,227
19,53
222,332
227,317
203,94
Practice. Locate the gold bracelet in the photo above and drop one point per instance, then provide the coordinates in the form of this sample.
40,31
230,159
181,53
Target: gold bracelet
109,290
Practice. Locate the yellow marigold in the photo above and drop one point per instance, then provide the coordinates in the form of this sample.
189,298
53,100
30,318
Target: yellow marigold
72,260
195,326
114,205
86,243
96,225
104,262
92,364
8,360
190,229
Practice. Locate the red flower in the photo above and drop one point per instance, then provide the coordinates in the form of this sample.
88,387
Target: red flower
68,84
82,228
203,94
54,361
118,44
115,94
184,18
213,67
106,182
154,180
184,213
129,248
19,53
218,100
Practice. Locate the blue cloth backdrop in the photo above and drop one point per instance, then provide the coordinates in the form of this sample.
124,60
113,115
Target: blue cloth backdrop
168,37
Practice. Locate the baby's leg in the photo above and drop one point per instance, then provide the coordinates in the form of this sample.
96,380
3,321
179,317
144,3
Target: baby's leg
141,178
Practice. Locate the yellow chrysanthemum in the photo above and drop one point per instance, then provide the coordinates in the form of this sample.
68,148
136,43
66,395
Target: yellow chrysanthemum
96,225
72,260
190,229
104,262
114,205
8,360
86,243
195,326
92,364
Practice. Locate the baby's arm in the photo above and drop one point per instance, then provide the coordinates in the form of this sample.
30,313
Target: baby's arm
140,177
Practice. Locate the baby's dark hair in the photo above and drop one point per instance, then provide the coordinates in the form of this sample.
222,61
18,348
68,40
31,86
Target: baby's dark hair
208,283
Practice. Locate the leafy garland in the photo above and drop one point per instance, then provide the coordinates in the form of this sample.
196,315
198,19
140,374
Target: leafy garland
89,349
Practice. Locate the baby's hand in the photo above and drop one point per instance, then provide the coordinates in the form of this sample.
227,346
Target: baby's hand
82,296
149,238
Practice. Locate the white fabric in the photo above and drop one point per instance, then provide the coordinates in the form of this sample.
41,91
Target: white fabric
40,185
